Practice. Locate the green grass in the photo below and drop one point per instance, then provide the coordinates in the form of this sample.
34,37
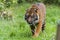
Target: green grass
18,29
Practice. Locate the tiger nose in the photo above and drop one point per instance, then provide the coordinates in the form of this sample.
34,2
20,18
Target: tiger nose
29,20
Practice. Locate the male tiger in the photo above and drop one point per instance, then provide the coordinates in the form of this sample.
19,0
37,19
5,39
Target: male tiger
35,17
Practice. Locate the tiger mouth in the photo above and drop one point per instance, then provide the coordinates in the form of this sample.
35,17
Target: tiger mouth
34,22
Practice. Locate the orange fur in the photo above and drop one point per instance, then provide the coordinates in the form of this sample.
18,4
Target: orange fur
41,13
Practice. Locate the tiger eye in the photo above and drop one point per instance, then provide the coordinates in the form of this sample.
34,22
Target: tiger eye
36,18
35,10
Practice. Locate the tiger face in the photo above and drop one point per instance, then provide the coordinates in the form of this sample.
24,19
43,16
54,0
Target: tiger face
31,16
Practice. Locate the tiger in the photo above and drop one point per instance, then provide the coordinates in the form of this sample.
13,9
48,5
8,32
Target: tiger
35,17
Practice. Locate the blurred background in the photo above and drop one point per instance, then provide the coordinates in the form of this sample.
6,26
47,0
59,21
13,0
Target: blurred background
13,25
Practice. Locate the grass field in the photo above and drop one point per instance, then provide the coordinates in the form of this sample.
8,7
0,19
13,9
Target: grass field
18,29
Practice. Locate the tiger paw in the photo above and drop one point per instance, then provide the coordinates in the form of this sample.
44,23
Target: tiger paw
35,35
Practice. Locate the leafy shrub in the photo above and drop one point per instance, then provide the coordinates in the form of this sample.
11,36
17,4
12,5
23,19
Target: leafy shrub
7,3
19,1
6,15
45,1
1,6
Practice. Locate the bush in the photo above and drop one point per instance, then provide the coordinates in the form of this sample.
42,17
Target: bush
51,1
7,3
19,1
44,1
1,6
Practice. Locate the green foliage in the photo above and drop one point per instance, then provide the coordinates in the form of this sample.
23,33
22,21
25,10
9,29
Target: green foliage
18,29
51,1
1,6
7,3
45,1
19,1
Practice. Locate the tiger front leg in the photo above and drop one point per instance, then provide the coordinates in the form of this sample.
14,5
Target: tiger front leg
43,26
32,29
38,29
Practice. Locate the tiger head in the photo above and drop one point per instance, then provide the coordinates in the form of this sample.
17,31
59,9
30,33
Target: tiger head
32,16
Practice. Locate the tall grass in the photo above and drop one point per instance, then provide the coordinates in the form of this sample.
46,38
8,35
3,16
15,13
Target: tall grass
18,29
